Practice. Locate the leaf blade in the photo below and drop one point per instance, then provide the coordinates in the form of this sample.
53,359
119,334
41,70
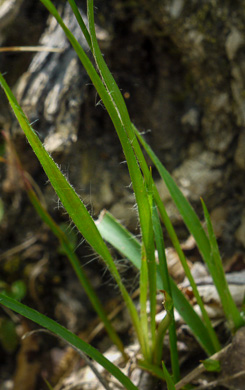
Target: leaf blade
218,275
133,253
70,200
65,334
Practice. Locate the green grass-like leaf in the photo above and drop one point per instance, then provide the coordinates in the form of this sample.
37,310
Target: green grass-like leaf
67,249
147,198
161,331
189,216
81,22
146,350
69,337
71,202
125,135
169,380
217,272
193,224
163,271
48,384
119,237
105,89
151,267
154,370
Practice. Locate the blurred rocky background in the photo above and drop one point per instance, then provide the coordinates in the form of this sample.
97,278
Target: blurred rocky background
181,67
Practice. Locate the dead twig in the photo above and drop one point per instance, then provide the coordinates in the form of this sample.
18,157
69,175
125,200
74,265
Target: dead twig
31,49
219,382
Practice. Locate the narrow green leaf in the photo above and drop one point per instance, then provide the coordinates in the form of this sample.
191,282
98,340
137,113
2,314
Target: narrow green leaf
189,216
81,22
218,275
118,120
168,378
193,224
71,338
152,368
68,249
67,195
163,271
161,331
117,235
114,233
71,201
207,322
143,307
135,174
125,134
151,265
163,267
48,384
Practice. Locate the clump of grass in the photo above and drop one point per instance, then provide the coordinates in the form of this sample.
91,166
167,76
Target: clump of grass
153,276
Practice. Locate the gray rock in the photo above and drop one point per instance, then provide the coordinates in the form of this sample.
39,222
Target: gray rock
53,87
197,178
219,220
191,119
175,8
8,11
233,42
